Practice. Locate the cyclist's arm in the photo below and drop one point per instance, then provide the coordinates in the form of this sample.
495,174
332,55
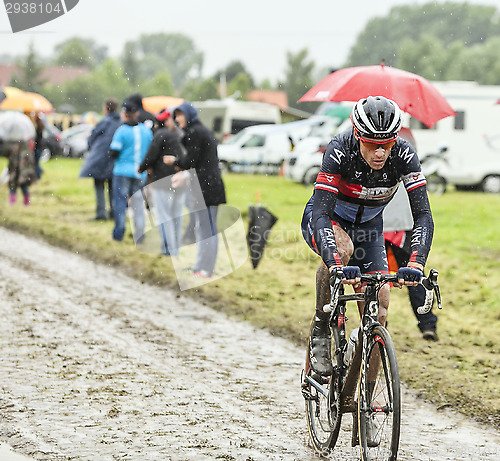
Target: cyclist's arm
325,198
423,224
423,227
322,217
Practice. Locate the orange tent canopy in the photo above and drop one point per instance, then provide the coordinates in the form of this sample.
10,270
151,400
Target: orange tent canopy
155,104
24,101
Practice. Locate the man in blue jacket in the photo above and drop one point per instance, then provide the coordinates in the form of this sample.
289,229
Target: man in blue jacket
129,146
99,164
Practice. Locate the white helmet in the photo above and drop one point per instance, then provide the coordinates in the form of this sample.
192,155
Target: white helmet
376,119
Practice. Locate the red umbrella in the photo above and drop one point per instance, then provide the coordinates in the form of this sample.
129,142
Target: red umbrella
414,94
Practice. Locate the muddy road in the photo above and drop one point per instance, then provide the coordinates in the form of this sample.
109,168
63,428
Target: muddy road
97,366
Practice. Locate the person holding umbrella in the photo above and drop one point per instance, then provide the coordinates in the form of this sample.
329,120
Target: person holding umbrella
16,139
342,222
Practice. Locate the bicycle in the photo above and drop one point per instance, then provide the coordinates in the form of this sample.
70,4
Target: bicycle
365,379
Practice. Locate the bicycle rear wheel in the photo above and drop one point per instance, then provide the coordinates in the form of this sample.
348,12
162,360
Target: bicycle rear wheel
379,399
322,408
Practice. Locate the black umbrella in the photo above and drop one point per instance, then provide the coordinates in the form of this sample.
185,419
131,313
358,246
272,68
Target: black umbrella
261,222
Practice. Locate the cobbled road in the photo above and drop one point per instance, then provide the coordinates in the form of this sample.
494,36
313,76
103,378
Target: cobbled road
97,366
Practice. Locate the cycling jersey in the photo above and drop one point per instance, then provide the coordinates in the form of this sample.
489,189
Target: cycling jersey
347,187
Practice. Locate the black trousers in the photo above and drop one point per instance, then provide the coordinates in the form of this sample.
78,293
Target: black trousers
416,294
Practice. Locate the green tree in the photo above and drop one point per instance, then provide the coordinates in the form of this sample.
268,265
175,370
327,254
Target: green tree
159,85
266,85
480,63
427,57
232,70
131,65
240,85
79,52
29,77
449,22
298,79
88,92
200,90
175,53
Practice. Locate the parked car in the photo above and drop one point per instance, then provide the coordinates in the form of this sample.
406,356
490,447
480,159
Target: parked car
304,163
52,143
75,140
270,145
255,145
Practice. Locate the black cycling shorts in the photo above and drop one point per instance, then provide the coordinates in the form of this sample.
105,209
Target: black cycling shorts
368,239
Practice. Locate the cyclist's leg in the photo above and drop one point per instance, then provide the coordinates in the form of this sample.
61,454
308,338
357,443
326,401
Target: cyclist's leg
320,340
345,248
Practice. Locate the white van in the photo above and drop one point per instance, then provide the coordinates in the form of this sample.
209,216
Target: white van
270,145
228,117
472,137
264,145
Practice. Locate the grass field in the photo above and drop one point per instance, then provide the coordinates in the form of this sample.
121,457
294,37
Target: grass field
462,370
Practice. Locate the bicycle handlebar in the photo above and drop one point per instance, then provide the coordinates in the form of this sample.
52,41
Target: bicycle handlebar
430,284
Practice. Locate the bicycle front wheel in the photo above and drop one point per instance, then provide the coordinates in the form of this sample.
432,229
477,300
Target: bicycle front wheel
379,399
322,408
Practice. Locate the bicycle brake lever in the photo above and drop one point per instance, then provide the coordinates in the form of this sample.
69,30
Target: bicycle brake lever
336,276
431,283
335,281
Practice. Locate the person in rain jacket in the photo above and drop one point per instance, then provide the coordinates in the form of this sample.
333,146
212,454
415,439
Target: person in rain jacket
201,154
144,116
168,200
129,146
99,164
21,169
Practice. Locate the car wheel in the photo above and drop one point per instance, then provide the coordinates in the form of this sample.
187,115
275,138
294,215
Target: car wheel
224,167
66,151
436,184
491,184
45,156
310,176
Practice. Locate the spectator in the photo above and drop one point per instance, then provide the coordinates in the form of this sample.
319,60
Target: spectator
144,116
21,169
168,200
129,146
201,154
99,163
39,126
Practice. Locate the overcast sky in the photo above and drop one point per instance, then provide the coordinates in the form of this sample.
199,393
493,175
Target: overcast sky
258,32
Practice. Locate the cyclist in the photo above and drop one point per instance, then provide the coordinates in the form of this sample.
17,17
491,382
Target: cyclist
342,222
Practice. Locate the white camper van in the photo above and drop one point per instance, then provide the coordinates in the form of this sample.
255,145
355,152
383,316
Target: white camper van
227,117
471,138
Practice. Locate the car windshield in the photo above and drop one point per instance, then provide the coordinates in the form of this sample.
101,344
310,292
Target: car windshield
235,139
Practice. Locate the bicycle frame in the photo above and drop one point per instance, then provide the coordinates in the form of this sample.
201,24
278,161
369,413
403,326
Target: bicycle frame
349,374
368,386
